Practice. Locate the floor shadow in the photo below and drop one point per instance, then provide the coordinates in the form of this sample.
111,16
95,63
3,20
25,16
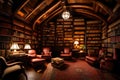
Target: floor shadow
63,67
71,60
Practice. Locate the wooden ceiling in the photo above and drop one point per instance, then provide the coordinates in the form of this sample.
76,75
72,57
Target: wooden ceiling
38,11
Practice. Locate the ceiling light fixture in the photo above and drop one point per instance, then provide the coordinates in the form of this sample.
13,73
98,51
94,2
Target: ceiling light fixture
66,13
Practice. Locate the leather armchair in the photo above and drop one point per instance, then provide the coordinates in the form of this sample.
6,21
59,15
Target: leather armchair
37,61
11,71
92,58
46,53
34,57
66,53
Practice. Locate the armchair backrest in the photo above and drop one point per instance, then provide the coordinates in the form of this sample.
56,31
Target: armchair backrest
92,53
46,51
32,53
66,50
8,70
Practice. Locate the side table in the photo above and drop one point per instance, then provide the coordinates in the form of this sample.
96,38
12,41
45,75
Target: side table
82,55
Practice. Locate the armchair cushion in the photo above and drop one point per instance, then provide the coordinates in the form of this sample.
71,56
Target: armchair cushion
91,58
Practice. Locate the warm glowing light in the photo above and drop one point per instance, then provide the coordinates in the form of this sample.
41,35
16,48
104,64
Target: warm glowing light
27,46
81,39
76,42
14,47
66,15
81,51
20,13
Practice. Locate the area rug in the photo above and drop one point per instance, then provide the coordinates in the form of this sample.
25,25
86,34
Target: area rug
79,70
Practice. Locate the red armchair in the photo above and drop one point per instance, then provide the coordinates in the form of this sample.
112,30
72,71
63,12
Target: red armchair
92,58
46,53
66,54
34,57
36,60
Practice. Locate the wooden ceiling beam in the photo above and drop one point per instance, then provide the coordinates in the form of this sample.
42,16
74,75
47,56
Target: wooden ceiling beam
81,6
53,14
104,8
43,16
38,7
23,4
86,12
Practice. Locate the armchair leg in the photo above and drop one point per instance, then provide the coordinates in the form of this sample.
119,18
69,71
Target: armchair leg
25,75
23,71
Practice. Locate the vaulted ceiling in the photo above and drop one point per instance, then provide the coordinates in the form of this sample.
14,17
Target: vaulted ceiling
38,11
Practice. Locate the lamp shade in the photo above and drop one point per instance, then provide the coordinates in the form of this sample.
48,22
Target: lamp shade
27,46
66,15
14,46
76,42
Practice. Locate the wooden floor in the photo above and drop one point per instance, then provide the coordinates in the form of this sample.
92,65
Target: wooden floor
34,75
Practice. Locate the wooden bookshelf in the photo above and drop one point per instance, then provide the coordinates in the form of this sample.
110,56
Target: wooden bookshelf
112,36
63,33
5,32
93,35
14,30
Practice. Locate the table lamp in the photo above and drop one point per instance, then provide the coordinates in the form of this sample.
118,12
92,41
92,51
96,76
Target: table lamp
76,44
27,47
14,47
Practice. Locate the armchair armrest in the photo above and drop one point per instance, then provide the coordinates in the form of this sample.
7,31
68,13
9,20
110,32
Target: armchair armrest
62,52
42,53
38,56
14,63
50,53
70,53
108,59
